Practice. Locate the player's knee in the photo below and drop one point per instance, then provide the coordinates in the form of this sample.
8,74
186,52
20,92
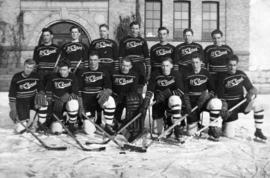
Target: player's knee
175,105
214,107
257,106
88,127
56,128
109,109
205,118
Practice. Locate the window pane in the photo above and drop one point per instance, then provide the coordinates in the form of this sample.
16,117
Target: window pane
156,15
177,6
156,6
213,15
181,18
184,24
213,25
206,7
185,7
184,15
177,15
206,15
178,33
149,5
206,24
156,24
213,7
149,14
177,24
148,24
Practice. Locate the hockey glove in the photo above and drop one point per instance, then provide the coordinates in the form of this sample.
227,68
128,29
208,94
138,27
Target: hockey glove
163,95
13,111
225,113
40,100
252,93
178,92
73,96
103,96
146,102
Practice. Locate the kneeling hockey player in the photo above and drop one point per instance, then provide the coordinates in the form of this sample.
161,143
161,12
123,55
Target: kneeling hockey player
26,92
230,89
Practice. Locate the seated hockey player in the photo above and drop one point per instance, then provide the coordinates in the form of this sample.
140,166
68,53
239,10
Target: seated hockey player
62,94
230,90
95,89
26,93
199,91
166,86
124,86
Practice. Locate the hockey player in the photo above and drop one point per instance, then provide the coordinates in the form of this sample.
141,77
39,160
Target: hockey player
230,90
62,93
75,51
161,49
136,48
26,93
107,50
46,55
124,86
199,91
166,86
95,90
184,51
216,55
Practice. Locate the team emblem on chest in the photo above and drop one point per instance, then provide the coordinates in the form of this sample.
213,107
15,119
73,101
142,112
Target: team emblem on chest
73,48
162,52
197,81
47,52
233,82
165,82
28,85
62,84
92,78
133,44
103,44
218,53
188,50
123,80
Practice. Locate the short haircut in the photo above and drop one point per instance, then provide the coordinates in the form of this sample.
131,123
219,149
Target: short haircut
195,55
75,27
163,28
47,30
29,61
64,62
167,59
94,53
187,30
217,31
134,23
104,25
126,59
233,57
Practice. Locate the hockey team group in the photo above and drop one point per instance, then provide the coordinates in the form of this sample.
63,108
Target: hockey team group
76,88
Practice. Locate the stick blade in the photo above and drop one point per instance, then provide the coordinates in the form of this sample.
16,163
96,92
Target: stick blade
60,148
134,148
94,149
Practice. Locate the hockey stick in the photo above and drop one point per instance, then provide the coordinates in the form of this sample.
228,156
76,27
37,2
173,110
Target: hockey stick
75,139
30,125
77,66
60,148
57,61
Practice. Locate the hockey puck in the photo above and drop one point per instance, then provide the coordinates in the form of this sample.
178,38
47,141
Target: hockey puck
122,152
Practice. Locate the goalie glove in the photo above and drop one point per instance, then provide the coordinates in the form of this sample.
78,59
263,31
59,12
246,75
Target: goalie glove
73,96
163,95
225,113
146,102
252,94
103,96
40,100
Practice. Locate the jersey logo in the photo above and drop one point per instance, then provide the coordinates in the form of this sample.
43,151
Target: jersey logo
234,82
61,85
188,51
133,44
162,52
92,78
197,81
73,48
215,54
46,52
123,81
28,85
103,44
164,82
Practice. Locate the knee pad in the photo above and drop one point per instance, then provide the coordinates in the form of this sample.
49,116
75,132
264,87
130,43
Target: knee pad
205,118
229,129
88,127
109,109
56,128
214,107
175,105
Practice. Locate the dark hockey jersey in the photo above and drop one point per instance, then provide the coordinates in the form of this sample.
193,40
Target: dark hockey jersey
184,51
107,51
23,87
57,86
159,82
216,58
136,48
75,52
123,84
158,52
46,56
231,86
92,82
196,83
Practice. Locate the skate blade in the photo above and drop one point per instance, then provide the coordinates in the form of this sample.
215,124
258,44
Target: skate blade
259,140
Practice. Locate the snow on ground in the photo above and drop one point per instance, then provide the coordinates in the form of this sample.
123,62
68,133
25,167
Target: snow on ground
22,156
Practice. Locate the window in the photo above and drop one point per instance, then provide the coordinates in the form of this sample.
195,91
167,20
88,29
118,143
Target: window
210,19
152,18
181,18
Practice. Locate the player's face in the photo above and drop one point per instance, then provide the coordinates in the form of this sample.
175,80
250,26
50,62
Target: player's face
163,35
232,66
196,64
135,30
103,32
75,34
28,69
47,37
217,39
188,36
93,62
64,71
125,67
166,67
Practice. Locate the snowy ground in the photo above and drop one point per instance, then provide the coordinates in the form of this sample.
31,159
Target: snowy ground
22,156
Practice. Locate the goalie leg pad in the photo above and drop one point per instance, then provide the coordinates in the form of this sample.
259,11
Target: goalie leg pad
56,128
229,129
109,109
88,127
72,108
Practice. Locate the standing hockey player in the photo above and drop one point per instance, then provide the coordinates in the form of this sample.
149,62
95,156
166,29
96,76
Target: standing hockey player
124,86
230,89
199,90
62,93
107,50
26,93
46,55
161,50
136,48
184,51
167,87
95,90
75,51
216,55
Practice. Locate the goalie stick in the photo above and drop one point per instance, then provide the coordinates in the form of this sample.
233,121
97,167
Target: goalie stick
60,148
75,139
